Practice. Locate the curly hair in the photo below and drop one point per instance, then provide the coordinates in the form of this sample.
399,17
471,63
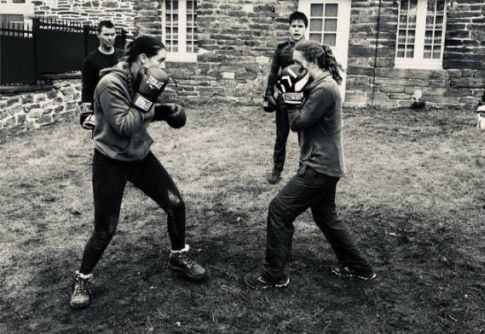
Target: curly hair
322,55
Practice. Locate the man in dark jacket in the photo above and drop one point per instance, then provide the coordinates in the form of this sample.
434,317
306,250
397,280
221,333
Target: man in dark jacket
106,55
281,59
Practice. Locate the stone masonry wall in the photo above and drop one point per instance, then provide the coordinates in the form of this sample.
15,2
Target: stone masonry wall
121,13
373,80
27,111
236,40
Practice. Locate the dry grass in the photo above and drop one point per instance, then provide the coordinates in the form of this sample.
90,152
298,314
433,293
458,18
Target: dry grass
414,197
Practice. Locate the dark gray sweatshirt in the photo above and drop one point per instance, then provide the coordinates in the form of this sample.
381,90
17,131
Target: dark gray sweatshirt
319,123
121,129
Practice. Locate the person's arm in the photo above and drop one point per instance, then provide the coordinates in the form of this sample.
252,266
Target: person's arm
123,117
88,77
273,73
312,110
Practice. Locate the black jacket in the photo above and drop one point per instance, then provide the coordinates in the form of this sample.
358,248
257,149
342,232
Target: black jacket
282,57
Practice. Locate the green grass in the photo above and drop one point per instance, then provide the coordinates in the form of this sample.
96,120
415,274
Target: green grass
414,198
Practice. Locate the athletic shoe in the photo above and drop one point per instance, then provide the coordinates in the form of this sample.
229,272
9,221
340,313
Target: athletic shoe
81,290
259,283
182,262
274,177
348,272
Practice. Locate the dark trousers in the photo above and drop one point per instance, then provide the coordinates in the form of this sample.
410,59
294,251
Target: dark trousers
307,189
109,181
282,131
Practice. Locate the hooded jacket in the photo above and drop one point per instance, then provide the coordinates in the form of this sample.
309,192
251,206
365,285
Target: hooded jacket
319,123
121,129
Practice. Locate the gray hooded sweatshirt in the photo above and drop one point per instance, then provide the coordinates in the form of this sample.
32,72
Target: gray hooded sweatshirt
121,129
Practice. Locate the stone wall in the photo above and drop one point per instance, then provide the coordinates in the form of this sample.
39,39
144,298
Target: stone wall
121,13
20,112
372,78
236,40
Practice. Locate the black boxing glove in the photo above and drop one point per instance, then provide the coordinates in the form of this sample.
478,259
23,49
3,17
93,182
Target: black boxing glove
291,82
152,83
269,103
172,113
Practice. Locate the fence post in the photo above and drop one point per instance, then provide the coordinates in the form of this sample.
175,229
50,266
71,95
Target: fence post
85,38
35,36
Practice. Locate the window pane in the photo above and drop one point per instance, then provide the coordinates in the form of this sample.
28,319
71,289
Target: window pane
316,37
330,25
427,52
331,10
407,28
316,25
330,39
316,10
437,52
434,26
12,19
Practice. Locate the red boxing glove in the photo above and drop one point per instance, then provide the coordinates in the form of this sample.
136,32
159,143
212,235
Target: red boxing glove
152,83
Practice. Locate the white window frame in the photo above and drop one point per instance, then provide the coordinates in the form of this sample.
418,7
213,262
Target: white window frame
418,61
26,9
182,55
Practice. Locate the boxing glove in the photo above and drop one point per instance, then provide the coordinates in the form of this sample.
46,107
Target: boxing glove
291,82
269,103
86,117
172,113
152,83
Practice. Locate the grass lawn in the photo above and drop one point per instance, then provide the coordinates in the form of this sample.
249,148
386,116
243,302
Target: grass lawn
414,198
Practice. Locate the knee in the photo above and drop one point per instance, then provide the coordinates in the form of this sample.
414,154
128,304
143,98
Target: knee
277,208
177,204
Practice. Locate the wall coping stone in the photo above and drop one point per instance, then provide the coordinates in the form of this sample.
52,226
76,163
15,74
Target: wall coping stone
13,90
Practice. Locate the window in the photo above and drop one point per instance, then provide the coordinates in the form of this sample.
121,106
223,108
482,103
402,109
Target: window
179,26
420,34
16,12
323,23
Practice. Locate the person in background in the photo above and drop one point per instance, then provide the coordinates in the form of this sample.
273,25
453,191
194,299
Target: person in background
282,58
106,55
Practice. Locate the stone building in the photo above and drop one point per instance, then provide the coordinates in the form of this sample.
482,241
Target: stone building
220,49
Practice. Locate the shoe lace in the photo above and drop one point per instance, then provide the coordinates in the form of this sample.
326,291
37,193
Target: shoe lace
186,260
81,286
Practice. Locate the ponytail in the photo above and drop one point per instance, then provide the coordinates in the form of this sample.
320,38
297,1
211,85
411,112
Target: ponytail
322,55
328,62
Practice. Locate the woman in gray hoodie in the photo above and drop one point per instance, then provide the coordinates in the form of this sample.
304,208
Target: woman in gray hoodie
122,153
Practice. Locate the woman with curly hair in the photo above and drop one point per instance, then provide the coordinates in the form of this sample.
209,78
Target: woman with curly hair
319,124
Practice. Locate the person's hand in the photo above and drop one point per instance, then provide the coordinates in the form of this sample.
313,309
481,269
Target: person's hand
152,83
291,82
269,103
86,117
172,113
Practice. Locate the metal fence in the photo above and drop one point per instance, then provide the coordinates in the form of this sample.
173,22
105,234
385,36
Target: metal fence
47,47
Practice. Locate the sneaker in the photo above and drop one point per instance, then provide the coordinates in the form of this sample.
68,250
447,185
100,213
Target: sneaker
274,177
182,262
348,272
81,290
259,283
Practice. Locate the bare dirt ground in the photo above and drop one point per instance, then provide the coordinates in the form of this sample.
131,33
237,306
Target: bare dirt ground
414,198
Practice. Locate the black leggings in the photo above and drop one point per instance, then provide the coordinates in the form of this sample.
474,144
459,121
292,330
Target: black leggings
109,180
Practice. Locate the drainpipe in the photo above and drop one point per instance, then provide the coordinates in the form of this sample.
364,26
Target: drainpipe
378,28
